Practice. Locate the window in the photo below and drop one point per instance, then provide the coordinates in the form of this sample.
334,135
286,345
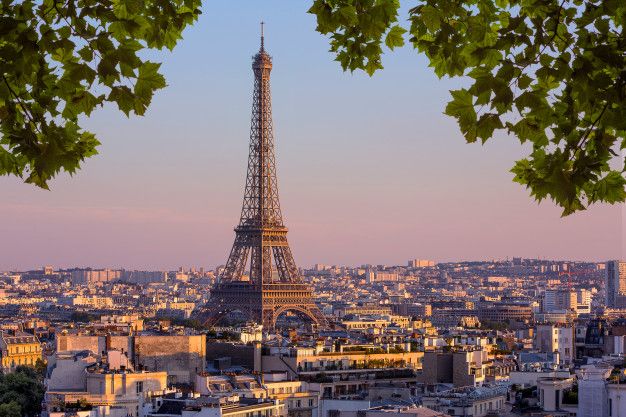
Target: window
139,387
557,398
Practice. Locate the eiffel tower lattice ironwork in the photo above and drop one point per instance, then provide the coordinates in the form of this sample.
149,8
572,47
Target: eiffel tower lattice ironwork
274,284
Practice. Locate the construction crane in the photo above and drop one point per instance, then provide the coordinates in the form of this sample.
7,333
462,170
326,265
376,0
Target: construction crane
570,273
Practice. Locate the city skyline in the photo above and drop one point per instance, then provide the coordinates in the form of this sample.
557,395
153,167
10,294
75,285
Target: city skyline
146,203
279,238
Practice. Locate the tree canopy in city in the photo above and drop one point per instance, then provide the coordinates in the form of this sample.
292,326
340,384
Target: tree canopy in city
21,393
550,72
60,59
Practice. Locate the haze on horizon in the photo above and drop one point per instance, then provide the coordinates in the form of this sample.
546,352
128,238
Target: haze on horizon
370,170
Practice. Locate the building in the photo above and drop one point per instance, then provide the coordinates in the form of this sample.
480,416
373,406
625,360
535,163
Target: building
385,411
615,285
366,310
463,367
100,380
227,406
92,276
380,276
93,301
19,349
420,263
560,300
182,357
127,389
143,277
98,411
124,324
583,301
616,399
551,392
467,401
556,338
298,398
412,310
593,397
344,373
503,312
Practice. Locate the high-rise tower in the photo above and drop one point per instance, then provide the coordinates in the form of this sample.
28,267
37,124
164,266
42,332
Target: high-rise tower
261,278
615,284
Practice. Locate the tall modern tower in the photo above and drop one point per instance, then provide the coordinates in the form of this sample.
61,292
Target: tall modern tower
261,278
615,285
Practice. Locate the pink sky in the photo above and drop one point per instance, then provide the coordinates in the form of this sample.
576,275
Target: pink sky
370,170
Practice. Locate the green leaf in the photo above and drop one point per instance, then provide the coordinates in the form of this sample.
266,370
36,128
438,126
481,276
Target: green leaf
486,125
394,37
462,108
372,66
611,188
107,72
431,17
149,79
524,81
124,97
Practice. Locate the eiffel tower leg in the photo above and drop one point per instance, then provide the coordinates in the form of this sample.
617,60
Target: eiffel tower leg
318,317
211,315
237,259
268,320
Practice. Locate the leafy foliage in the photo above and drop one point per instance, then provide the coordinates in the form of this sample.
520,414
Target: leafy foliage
550,72
41,368
61,59
21,391
10,409
83,317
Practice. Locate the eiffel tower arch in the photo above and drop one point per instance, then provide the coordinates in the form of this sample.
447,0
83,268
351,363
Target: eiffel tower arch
273,284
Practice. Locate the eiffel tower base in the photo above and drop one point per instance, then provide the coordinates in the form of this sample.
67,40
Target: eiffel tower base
261,306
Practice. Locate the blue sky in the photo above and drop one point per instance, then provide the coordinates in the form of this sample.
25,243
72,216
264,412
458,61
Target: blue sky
370,170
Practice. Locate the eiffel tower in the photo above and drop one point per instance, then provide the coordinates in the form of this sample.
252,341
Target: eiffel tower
273,284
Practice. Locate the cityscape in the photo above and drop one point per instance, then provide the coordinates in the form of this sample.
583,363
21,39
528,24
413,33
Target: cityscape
263,335
503,337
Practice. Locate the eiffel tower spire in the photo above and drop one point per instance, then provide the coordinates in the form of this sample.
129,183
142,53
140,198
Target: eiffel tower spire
273,284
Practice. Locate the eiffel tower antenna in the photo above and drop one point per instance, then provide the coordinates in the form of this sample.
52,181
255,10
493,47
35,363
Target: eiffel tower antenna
261,278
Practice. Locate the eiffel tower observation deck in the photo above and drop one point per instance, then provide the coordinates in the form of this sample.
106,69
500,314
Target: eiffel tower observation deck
261,278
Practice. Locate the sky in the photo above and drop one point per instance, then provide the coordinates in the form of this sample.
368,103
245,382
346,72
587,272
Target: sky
370,169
